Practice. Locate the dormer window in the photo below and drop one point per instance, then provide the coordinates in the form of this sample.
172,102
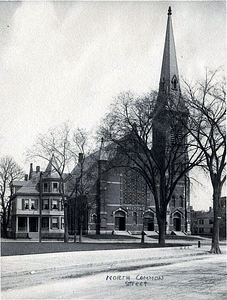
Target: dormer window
174,82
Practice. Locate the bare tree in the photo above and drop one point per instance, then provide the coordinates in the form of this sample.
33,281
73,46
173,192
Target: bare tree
162,159
81,180
55,147
66,147
206,101
9,171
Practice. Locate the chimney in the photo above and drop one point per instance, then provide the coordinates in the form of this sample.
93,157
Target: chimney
26,177
37,169
30,172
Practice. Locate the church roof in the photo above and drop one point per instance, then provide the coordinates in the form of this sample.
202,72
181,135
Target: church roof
169,73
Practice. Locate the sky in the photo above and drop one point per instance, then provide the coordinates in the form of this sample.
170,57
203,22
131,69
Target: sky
67,61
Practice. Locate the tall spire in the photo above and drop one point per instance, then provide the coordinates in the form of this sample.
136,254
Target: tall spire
169,80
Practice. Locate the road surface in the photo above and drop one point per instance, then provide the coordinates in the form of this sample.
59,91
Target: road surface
200,277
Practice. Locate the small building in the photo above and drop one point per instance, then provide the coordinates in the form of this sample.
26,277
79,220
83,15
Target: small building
202,221
37,200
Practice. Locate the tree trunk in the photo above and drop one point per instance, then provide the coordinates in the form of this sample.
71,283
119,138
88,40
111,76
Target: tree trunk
66,225
162,230
215,235
75,228
4,228
81,229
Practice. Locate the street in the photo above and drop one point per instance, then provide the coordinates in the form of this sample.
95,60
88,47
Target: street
191,277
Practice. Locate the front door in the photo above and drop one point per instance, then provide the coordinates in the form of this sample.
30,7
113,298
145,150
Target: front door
148,221
177,224
150,225
120,221
33,224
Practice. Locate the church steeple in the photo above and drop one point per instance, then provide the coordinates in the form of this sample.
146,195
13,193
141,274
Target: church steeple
169,80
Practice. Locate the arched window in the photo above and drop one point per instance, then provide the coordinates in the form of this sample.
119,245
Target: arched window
94,218
135,217
181,201
174,82
173,201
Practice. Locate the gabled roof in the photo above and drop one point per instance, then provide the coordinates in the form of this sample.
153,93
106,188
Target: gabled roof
30,186
17,183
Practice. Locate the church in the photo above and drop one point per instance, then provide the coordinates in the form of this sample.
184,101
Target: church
124,202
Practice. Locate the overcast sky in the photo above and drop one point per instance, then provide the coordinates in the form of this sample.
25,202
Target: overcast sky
68,60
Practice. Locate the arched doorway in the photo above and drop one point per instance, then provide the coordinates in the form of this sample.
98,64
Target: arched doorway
148,221
177,222
119,220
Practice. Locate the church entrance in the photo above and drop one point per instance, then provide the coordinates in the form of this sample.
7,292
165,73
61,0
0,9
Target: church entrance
148,221
120,220
177,222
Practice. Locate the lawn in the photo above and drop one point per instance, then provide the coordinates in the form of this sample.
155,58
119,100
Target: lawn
25,248
177,237
111,237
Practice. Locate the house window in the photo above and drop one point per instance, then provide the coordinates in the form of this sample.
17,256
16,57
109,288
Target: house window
54,204
135,217
211,230
201,222
34,204
55,187
22,224
211,221
45,203
25,204
54,223
62,223
46,187
201,230
45,222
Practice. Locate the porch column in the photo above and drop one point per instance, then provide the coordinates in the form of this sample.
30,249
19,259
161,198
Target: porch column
16,225
27,224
